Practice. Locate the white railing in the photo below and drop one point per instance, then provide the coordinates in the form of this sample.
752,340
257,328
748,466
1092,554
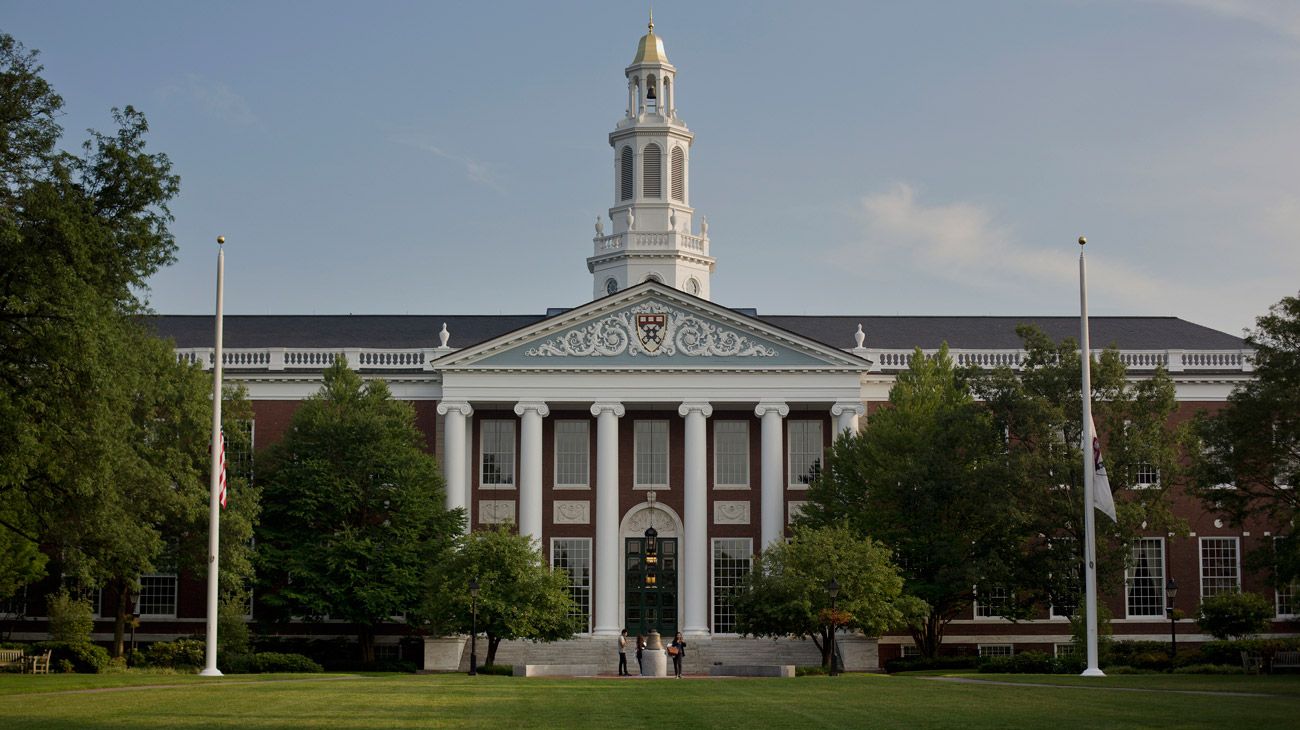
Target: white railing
638,240
313,358
1175,361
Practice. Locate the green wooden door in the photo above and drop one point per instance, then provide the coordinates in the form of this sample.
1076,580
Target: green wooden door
651,606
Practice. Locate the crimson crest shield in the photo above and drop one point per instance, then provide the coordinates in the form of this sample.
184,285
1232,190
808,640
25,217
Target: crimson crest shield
650,330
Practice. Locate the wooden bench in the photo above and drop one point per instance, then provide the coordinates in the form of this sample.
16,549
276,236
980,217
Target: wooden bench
12,658
1251,662
1286,660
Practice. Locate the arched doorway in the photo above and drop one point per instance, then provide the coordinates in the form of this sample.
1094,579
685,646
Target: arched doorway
650,597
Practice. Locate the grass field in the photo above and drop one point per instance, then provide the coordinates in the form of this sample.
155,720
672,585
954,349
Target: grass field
853,701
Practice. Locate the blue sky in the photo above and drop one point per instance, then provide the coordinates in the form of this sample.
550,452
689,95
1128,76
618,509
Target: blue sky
852,158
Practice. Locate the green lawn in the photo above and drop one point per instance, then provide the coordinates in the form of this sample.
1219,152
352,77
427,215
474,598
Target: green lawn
854,701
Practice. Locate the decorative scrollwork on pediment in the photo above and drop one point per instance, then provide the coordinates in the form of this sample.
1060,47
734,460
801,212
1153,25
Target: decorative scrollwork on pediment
651,330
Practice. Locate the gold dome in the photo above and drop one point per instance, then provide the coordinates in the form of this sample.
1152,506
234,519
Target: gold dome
651,47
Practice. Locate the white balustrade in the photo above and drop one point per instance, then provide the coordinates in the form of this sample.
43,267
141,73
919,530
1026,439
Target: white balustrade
279,358
1137,360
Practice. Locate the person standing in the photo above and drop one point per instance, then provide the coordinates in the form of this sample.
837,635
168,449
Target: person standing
622,654
640,650
679,645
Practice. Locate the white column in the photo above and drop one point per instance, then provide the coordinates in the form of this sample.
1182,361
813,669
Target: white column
609,554
454,449
772,506
530,468
695,522
847,414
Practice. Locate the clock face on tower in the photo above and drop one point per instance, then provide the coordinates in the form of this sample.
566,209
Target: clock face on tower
611,286
693,287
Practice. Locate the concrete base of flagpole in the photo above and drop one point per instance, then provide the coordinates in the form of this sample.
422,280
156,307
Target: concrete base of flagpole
211,673
1092,673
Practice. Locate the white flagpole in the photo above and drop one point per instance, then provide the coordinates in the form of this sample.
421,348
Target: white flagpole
1089,516
214,486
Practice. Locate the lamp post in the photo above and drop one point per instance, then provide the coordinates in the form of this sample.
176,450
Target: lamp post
473,632
833,588
1171,590
135,621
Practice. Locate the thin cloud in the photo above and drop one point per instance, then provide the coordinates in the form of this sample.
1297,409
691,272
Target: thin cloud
962,242
476,171
1279,16
215,98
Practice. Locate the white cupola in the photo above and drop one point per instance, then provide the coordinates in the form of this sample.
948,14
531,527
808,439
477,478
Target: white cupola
651,233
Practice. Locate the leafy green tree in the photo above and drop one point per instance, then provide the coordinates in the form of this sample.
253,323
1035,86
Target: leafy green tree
1234,615
102,446
974,477
1253,443
787,593
520,597
353,509
928,478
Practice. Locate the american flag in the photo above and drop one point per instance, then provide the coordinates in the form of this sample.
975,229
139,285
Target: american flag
222,479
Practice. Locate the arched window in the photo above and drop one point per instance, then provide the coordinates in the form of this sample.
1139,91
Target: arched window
679,174
653,277
625,174
651,182
651,96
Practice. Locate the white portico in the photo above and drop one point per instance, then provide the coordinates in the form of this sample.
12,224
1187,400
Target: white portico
664,355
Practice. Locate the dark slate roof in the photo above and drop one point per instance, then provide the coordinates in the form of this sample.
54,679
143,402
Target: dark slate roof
897,332
997,333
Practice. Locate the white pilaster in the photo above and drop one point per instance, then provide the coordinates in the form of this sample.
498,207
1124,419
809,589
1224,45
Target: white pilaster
608,553
772,505
847,414
530,468
695,518
455,466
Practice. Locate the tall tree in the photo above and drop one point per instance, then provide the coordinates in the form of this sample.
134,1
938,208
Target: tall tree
101,443
1253,443
928,478
787,593
520,597
974,478
353,514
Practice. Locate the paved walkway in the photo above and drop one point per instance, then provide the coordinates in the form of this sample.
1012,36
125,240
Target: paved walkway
1214,693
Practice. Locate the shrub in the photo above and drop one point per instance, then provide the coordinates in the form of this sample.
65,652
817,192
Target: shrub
1147,655
1079,631
71,619
1030,662
1234,615
81,656
1229,652
499,670
811,670
270,662
1209,669
232,629
917,664
179,654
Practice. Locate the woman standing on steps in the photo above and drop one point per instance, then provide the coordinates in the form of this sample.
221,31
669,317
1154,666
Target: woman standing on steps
622,654
677,650
640,649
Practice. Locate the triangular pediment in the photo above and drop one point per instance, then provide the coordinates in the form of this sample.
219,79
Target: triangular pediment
651,326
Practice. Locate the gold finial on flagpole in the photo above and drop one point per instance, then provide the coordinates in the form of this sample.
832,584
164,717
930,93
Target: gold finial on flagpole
221,240
1082,240
652,20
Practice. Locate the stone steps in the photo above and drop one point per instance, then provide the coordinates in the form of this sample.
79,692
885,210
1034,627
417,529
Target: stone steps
859,654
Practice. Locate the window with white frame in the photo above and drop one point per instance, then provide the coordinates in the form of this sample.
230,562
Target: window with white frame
992,601
1286,599
572,454
1065,596
239,449
1065,650
1144,578
157,597
1146,476
497,445
911,651
14,606
1220,566
730,454
995,650
651,453
732,561
805,446
388,652
573,555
